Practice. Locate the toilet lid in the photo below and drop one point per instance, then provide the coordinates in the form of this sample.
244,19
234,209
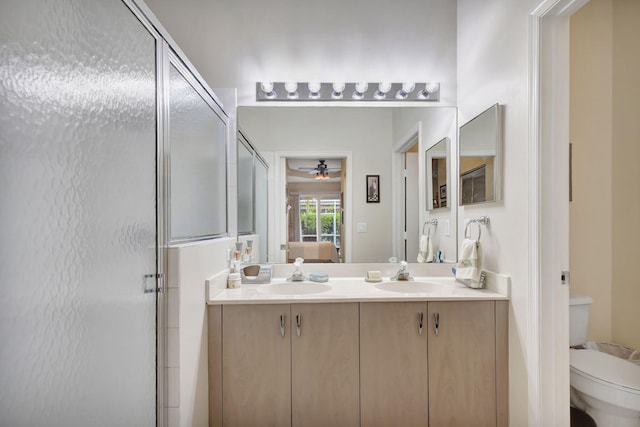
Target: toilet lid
605,367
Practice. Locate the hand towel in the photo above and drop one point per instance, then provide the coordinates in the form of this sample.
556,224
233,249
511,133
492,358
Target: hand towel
469,267
425,251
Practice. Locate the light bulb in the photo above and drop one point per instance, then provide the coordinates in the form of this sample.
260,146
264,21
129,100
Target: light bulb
383,88
432,87
314,87
267,87
361,88
338,88
408,87
292,90
291,87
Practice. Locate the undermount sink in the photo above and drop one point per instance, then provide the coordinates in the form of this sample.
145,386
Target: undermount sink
294,288
406,287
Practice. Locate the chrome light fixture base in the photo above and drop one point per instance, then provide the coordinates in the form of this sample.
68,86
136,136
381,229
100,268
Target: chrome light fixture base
429,91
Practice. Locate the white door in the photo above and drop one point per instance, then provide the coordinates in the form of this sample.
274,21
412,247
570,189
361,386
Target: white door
78,215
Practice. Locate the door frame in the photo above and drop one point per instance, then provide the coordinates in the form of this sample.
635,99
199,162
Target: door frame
280,225
548,220
413,136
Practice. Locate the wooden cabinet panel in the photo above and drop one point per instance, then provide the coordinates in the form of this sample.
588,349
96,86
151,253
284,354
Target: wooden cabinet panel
324,357
256,373
214,323
462,364
393,364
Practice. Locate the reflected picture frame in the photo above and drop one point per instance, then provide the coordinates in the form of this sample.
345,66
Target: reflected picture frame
373,189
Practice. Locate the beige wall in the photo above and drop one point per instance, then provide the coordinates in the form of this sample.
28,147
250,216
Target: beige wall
591,210
626,173
604,130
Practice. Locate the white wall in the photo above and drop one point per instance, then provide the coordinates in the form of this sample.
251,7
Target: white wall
238,43
364,132
436,123
493,67
235,44
189,266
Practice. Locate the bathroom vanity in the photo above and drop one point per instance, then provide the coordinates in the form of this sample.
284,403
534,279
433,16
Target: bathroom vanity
356,354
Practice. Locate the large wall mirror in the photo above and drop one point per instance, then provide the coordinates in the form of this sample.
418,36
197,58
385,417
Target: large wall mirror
322,159
479,160
253,173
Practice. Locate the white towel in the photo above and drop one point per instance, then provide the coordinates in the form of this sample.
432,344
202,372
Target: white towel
469,267
425,251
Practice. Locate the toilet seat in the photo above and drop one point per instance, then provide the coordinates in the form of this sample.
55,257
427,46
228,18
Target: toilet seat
607,370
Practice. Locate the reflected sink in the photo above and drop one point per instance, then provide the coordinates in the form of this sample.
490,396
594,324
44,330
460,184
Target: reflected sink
409,287
294,288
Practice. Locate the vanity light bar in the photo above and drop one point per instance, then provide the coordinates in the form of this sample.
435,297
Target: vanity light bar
360,91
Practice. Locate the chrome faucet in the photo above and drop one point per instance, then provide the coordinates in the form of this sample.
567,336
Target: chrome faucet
403,273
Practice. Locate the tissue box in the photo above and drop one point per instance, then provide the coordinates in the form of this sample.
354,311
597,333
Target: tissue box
248,274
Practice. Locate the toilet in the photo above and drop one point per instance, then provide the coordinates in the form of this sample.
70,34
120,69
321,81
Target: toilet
604,386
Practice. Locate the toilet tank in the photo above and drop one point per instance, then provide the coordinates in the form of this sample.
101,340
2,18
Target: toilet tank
578,318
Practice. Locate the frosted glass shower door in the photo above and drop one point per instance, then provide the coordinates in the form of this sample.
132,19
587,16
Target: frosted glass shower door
77,215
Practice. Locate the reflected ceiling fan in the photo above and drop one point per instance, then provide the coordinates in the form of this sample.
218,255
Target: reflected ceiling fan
321,170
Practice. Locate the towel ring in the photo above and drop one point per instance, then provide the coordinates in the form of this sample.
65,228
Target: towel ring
432,222
466,228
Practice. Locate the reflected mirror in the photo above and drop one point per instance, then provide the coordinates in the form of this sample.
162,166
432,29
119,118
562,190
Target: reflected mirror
479,158
436,164
319,158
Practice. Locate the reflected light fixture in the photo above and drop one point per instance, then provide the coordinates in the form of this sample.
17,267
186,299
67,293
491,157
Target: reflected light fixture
342,91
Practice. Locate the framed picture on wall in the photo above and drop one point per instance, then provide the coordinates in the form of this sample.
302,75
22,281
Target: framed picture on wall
443,195
373,188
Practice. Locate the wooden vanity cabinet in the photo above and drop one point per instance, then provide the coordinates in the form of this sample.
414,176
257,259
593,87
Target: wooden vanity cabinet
256,365
393,364
325,380
368,364
468,364
456,376
303,374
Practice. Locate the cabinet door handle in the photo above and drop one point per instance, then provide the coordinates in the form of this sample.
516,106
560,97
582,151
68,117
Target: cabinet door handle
436,322
298,323
282,318
420,317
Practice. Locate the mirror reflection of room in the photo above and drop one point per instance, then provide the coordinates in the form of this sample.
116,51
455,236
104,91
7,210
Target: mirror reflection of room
436,159
368,140
314,209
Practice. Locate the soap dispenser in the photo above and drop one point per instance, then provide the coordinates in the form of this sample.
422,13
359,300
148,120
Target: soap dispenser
298,275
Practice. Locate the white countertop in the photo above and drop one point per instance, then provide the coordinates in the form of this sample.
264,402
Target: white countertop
356,289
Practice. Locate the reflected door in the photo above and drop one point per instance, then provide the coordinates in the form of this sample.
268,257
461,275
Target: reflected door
78,215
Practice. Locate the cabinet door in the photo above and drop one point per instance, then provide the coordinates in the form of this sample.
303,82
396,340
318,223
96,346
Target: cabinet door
393,364
462,358
256,375
324,355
